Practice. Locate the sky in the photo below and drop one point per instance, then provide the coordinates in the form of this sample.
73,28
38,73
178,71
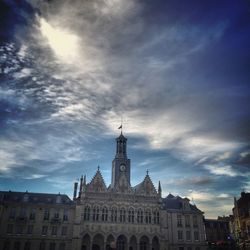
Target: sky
176,72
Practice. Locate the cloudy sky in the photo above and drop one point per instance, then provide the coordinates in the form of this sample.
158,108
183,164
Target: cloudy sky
177,72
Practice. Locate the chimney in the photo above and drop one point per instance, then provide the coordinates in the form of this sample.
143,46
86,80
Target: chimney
75,190
80,190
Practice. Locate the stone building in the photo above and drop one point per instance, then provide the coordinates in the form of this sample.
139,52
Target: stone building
33,221
133,218
102,217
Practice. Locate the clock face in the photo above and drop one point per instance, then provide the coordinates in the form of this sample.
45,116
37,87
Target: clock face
122,167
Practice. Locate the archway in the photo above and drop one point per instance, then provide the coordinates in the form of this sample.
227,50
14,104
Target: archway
144,243
155,243
133,243
86,242
110,242
121,243
98,242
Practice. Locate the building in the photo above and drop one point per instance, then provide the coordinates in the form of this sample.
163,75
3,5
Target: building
102,217
217,231
240,221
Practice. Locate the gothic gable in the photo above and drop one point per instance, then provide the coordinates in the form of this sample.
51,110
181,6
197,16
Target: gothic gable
146,187
97,184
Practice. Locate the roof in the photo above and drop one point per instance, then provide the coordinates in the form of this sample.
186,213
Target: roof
176,202
35,198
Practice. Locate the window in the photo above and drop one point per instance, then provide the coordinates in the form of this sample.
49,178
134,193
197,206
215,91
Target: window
187,220
96,214
54,230
30,229
52,246
180,235
46,215
140,216
188,235
44,230
196,235
189,248
17,245
23,212
179,220
6,245
42,245
26,245
86,215
122,215
131,215
19,229
9,229
33,214
56,214
181,248
64,230
65,215
62,246
195,221
104,214
12,213
113,214
148,216
156,217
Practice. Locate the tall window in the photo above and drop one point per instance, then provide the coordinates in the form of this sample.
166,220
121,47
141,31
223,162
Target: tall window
32,214
19,229
156,217
12,213
196,235
180,235
30,229
187,220
6,245
86,215
96,214
140,216
62,246
17,245
188,235
56,214
113,214
131,215
44,230
122,215
179,220
65,215
52,246
42,245
64,230
26,245
23,212
9,229
148,216
104,214
46,214
195,221
54,230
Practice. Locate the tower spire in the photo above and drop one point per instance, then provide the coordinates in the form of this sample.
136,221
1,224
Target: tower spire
159,188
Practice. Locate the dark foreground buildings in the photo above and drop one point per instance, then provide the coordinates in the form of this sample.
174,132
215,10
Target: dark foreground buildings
99,217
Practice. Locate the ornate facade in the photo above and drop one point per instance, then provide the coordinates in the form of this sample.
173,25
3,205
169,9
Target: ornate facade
99,217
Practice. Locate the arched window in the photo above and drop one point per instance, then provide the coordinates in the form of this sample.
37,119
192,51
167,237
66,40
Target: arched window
148,216
122,215
113,215
86,215
156,217
131,215
96,213
140,216
104,214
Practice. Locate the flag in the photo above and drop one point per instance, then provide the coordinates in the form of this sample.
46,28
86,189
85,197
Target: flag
120,127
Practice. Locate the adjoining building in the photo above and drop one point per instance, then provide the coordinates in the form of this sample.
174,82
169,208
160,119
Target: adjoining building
102,217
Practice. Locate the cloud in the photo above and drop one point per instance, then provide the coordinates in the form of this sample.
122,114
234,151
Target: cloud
222,170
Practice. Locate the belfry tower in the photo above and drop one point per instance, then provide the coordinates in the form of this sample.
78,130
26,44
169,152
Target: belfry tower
120,164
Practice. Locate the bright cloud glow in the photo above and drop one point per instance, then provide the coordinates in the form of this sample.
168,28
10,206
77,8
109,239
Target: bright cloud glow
64,43
225,170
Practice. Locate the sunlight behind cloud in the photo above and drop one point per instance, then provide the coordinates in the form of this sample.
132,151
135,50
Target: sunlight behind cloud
64,44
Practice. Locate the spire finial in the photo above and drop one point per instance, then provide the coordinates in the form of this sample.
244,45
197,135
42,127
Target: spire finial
98,168
147,171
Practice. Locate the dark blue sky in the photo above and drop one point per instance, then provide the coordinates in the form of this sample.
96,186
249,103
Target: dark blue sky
176,71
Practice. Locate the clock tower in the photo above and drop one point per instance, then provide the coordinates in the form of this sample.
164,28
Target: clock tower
120,164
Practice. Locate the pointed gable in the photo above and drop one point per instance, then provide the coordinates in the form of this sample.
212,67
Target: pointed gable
97,184
146,187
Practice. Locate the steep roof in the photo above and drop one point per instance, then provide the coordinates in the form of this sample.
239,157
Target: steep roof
97,183
146,187
36,198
